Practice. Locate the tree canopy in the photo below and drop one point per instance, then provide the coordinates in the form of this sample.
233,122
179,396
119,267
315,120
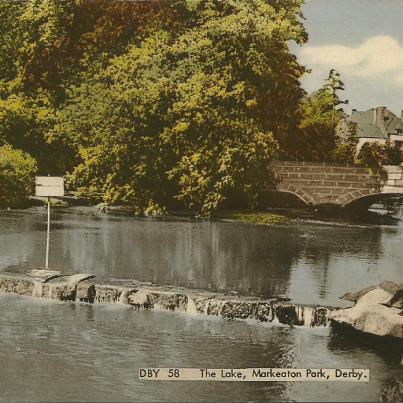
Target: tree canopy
157,104
154,103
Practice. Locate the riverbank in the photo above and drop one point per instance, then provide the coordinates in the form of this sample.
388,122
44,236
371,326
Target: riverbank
378,215
253,217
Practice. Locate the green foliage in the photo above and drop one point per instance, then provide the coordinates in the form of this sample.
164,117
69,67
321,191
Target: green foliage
155,103
345,147
25,123
318,140
17,170
394,153
154,210
255,218
190,114
374,155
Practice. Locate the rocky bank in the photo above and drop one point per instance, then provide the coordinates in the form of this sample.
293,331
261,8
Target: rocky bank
378,310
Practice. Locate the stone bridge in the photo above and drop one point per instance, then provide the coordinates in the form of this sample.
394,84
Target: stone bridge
336,184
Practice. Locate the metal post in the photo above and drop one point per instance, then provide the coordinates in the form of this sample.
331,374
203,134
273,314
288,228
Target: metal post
47,237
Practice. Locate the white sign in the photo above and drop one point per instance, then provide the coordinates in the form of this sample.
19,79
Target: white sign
48,186
255,374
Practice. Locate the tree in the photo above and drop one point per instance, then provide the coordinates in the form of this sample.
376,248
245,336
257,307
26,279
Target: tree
333,84
152,103
191,114
17,170
346,145
375,155
48,45
319,119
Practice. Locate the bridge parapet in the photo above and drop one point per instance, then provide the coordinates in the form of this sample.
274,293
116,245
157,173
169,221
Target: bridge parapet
337,184
394,182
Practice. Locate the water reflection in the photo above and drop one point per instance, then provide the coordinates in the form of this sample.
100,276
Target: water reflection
307,262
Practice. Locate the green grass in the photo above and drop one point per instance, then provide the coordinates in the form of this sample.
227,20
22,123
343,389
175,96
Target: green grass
255,217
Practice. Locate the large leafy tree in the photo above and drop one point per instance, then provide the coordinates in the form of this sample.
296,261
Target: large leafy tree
17,170
152,103
194,113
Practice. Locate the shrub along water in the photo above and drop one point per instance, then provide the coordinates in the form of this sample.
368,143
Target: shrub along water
17,170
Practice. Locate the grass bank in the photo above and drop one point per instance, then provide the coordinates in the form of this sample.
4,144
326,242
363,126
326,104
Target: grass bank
253,217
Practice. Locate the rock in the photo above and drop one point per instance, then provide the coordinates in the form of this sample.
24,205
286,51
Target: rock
263,312
236,310
232,293
353,297
111,294
169,301
397,300
85,292
393,391
17,284
286,314
102,208
139,300
44,275
282,299
377,310
78,278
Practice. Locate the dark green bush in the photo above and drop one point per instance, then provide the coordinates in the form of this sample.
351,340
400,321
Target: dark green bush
17,171
374,155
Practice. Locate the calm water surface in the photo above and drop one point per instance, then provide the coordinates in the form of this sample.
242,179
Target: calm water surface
309,263
68,352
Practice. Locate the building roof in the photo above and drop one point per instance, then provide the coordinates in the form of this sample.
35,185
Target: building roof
377,122
395,125
370,131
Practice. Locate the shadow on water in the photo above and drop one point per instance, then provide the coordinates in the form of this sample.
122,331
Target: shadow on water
332,215
344,338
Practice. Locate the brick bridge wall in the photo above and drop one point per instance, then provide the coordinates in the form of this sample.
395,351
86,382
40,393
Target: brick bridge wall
323,183
394,182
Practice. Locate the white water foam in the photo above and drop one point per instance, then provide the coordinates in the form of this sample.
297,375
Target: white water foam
37,290
308,316
191,308
123,297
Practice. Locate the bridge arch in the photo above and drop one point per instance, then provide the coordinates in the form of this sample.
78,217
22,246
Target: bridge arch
365,201
298,193
343,185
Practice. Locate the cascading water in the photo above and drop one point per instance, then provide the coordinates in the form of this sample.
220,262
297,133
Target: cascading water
191,307
149,297
123,297
37,289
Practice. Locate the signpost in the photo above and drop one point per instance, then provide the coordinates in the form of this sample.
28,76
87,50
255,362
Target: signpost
47,186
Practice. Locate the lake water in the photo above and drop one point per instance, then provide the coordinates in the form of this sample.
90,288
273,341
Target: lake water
66,352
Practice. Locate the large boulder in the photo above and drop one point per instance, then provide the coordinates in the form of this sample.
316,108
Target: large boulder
378,310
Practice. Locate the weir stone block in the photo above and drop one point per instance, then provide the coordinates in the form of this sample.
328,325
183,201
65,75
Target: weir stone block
147,296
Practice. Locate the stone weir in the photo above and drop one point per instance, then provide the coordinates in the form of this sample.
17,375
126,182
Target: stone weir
84,288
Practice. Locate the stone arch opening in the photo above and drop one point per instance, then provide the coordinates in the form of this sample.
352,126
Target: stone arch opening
366,201
299,194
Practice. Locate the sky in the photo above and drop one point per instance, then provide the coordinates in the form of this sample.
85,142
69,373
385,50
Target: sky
363,41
